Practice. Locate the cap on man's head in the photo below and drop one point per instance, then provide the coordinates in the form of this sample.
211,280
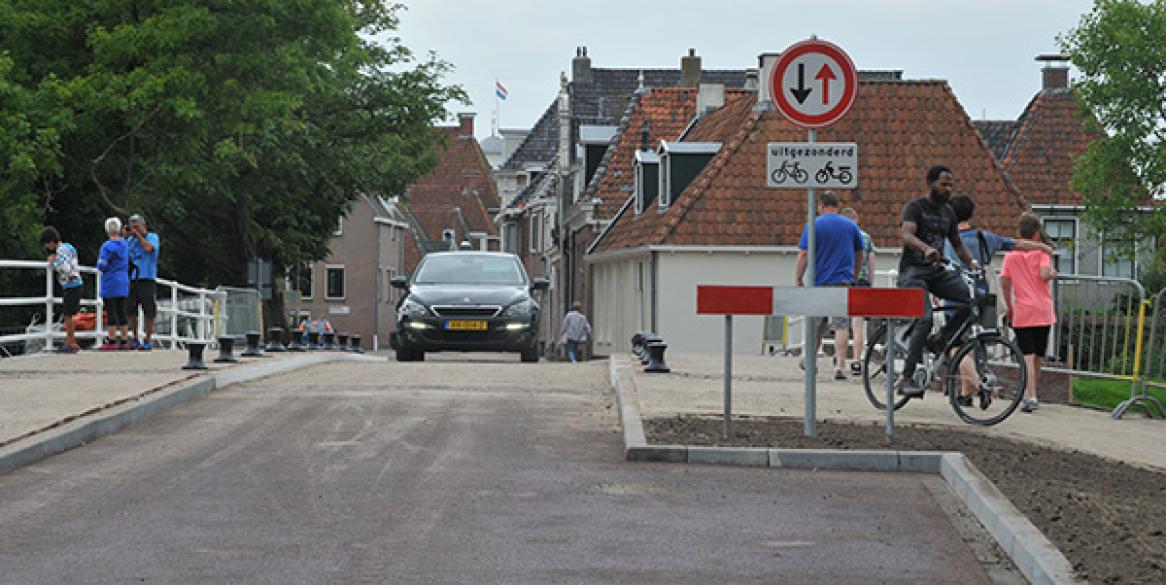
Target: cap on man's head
138,218
577,305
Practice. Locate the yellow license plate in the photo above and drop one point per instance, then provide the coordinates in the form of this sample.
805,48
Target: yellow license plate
465,325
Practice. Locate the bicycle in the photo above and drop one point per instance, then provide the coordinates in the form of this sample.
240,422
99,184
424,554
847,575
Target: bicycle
996,372
790,170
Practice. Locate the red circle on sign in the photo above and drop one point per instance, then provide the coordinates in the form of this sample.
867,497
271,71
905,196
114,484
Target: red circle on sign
849,76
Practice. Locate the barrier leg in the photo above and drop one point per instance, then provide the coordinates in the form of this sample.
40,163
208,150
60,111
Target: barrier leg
889,364
728,375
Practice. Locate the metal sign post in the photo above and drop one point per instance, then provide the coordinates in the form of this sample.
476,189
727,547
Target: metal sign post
810,341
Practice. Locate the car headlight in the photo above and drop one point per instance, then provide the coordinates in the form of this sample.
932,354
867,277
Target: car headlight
413,309
521,310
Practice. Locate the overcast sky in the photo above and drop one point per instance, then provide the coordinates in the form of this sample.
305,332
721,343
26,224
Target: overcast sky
983,48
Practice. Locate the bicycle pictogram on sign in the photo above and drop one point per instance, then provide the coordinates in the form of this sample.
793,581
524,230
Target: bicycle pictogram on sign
831,165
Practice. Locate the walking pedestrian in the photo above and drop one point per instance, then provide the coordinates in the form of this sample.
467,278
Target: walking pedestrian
143,247
576,330
837,259
1024,281
63,259
865,278
113,260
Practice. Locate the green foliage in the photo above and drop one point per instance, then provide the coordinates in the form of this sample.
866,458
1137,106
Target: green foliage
1118,48
241,128
1107,394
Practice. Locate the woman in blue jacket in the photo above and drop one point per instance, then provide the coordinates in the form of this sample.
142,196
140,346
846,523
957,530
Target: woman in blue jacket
114,263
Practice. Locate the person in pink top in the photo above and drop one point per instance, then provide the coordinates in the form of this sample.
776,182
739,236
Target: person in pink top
1024,280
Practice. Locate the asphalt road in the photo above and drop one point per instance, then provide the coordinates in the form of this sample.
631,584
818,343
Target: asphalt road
454,470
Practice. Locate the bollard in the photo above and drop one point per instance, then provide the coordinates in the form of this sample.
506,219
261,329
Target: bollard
342,342
328,340
226,351
638,343
275,340
195,362
656,358
354,344
649,339
252,345
313,340
296,338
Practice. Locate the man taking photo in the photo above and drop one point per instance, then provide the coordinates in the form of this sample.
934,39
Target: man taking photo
143,288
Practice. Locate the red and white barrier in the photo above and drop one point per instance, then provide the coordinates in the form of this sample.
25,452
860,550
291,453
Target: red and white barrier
815,302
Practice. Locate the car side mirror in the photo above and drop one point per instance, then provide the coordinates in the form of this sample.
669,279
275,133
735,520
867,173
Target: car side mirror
401,282
540,283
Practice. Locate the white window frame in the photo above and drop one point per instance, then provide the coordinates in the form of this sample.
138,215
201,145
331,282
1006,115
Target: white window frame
339,227
343,282
1076,236
535,231
510,241
1101,260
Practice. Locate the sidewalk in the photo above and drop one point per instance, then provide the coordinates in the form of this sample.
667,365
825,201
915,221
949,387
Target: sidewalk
42,392
774,386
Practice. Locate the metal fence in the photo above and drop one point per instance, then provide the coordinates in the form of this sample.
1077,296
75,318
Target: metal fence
185,313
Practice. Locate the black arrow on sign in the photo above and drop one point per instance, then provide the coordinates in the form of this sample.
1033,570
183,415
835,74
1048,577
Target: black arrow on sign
801,92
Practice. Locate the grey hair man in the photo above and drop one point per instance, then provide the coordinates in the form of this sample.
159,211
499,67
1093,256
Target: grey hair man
143,247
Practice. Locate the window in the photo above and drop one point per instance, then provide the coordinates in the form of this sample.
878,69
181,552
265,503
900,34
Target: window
1114,261
390,296
535,231
510,237
333,282
302,280
647,179
1064,235
339,226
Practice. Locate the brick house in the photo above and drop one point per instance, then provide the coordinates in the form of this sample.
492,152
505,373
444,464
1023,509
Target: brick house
722,225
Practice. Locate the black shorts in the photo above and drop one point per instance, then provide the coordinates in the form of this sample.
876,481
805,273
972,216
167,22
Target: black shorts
115,311
71,301
143,294
1032,340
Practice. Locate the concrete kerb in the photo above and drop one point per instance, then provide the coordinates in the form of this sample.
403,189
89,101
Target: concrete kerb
89,428
1034,555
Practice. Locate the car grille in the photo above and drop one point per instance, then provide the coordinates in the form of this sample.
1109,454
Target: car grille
463,312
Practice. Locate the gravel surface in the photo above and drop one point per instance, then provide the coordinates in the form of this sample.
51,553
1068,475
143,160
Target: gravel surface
1107,517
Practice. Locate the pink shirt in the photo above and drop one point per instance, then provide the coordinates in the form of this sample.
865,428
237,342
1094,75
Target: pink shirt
1032,304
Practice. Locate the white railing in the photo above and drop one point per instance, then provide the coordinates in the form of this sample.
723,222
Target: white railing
188,313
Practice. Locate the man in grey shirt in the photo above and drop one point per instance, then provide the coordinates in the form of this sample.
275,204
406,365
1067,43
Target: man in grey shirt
576,330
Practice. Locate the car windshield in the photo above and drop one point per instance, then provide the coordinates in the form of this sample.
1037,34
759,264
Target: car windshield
470,269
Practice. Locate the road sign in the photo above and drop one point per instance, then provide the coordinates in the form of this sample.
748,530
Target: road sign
805,165
814,83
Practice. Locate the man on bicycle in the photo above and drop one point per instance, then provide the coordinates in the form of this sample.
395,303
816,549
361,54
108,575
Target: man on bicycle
927,223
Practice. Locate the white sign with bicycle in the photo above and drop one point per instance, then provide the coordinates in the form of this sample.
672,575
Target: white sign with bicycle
806,165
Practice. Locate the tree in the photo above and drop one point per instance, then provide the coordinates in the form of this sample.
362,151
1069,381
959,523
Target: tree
242,128
1119,50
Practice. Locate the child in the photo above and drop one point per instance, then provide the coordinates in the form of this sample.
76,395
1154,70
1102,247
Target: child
114,263
1024,280
63,259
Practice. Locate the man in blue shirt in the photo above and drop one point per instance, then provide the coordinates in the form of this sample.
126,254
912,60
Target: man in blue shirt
837,259
143,274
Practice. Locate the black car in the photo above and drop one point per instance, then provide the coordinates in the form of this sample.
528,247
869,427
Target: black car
467,301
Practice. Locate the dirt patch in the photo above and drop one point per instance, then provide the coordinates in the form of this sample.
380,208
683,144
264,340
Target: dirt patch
1107,517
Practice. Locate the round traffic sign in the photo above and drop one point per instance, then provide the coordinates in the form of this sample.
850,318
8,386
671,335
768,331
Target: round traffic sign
814,83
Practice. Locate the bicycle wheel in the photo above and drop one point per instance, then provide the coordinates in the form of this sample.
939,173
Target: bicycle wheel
994,375
874,371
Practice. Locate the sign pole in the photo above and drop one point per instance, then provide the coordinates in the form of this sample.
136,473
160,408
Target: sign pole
728,375
810,351
889,365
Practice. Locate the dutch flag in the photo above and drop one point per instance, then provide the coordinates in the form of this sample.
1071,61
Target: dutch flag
500,91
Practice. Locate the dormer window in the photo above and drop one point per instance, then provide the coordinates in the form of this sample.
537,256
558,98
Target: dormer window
647,179
594,140
680,163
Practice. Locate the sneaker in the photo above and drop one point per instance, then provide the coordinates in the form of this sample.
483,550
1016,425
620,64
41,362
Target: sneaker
910,389
1030,404
135,345
107,346
856,368
123,346
839,374
146,346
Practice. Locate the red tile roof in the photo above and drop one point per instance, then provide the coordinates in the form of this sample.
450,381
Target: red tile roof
462,179
902,128
1049,137
668,112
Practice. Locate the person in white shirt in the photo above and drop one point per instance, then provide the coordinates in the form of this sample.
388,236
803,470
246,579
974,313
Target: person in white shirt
576,330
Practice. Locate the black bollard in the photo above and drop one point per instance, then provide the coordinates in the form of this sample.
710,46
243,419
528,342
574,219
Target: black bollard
275,340
226,351
354,345
296,338
313,340
195,362
342,342
252,345
328,340
656,358
649,338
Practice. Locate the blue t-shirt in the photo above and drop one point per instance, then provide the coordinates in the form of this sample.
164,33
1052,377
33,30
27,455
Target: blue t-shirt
836,241
993,242
114,263
145,263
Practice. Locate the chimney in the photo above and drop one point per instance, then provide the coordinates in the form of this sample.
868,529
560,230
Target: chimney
709,96
751,79
1055,73
465,122
690,69
765,64
581,66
